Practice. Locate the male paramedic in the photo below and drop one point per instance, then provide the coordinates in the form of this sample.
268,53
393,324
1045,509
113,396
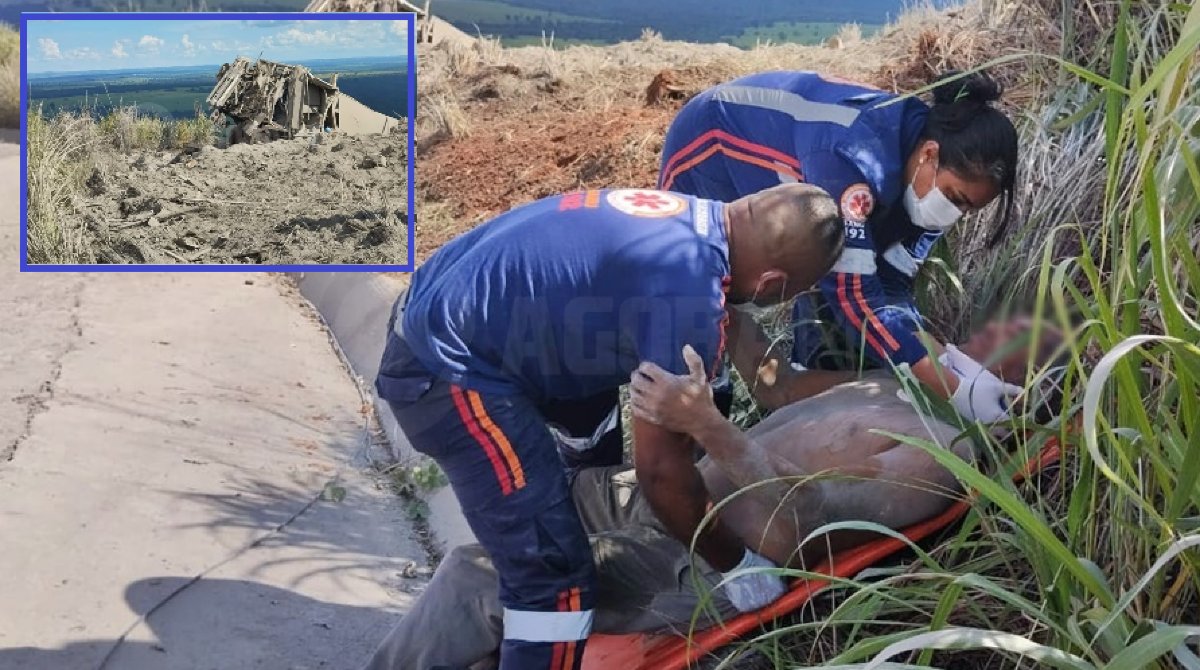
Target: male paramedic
558,301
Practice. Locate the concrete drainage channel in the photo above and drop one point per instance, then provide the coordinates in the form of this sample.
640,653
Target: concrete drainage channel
355,307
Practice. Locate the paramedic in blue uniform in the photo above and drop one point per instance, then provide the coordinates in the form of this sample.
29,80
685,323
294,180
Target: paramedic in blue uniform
903,173
554,303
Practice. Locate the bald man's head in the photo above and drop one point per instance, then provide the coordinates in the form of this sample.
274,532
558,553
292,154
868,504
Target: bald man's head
782,241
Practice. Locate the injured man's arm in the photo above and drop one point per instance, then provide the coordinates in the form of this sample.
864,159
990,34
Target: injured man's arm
811,463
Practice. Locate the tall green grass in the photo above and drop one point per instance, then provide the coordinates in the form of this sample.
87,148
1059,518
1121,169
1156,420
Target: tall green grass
1096,566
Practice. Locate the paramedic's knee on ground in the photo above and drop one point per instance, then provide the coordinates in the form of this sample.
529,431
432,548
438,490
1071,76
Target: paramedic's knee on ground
646,582
455,624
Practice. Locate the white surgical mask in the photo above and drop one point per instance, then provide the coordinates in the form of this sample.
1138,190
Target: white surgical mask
933,212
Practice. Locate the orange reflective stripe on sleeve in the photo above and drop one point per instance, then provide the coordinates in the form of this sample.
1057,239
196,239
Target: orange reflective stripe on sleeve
848,309
766,158
872,318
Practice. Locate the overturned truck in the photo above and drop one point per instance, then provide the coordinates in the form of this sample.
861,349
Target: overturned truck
263,101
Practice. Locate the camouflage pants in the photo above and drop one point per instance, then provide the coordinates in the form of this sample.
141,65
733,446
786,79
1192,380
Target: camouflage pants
647,583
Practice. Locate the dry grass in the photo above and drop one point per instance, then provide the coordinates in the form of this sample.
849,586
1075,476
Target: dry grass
60,159
485,92
194,132
129,129
848,34
10,77
64,151
441,116
901,57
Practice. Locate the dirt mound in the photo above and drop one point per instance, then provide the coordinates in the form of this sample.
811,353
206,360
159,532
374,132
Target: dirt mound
327,199
503,127
498,127
534,155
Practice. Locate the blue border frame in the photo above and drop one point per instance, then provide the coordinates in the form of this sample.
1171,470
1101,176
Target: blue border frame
220,16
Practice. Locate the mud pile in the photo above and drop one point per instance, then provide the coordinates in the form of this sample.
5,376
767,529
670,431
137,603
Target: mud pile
330,198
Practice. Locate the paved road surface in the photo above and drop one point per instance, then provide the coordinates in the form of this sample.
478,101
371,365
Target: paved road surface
157,426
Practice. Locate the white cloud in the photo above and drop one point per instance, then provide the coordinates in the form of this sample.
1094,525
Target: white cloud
362,33
150,43
400,28
49,48
118,49
83,53
297,36
189,47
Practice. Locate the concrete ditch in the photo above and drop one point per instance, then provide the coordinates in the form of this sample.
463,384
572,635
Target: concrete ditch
355,307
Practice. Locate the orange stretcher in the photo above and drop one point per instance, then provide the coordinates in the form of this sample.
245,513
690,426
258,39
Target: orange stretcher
670,652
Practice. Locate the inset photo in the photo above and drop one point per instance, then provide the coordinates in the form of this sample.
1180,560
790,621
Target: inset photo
216,141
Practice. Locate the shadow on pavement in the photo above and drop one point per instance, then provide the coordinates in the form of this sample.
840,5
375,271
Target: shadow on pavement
330,537
223,624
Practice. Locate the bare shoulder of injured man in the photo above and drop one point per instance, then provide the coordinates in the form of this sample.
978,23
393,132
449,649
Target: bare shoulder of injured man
824,459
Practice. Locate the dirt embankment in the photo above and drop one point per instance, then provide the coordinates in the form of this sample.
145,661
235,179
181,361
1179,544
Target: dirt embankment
328,199
498,127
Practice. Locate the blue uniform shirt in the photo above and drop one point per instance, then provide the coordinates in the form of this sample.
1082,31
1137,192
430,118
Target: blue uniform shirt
758,131
564,297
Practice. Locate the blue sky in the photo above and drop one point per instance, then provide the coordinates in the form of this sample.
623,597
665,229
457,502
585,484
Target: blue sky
74,45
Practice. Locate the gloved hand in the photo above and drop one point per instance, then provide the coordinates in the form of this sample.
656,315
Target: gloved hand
755,590
981,395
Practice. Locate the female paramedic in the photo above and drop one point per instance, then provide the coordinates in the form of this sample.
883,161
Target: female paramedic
903,173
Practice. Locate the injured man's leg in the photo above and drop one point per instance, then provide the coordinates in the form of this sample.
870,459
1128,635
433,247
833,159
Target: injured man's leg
646,583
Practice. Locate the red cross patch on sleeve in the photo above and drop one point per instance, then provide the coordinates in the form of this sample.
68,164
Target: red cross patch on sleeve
653,204
857,203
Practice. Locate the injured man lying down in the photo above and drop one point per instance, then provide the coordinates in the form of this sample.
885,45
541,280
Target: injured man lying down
834,465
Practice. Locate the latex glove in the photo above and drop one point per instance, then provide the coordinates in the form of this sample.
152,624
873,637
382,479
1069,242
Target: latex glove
754,590
981,395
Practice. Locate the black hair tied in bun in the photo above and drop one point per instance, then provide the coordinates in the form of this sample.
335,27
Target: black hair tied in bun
977,88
